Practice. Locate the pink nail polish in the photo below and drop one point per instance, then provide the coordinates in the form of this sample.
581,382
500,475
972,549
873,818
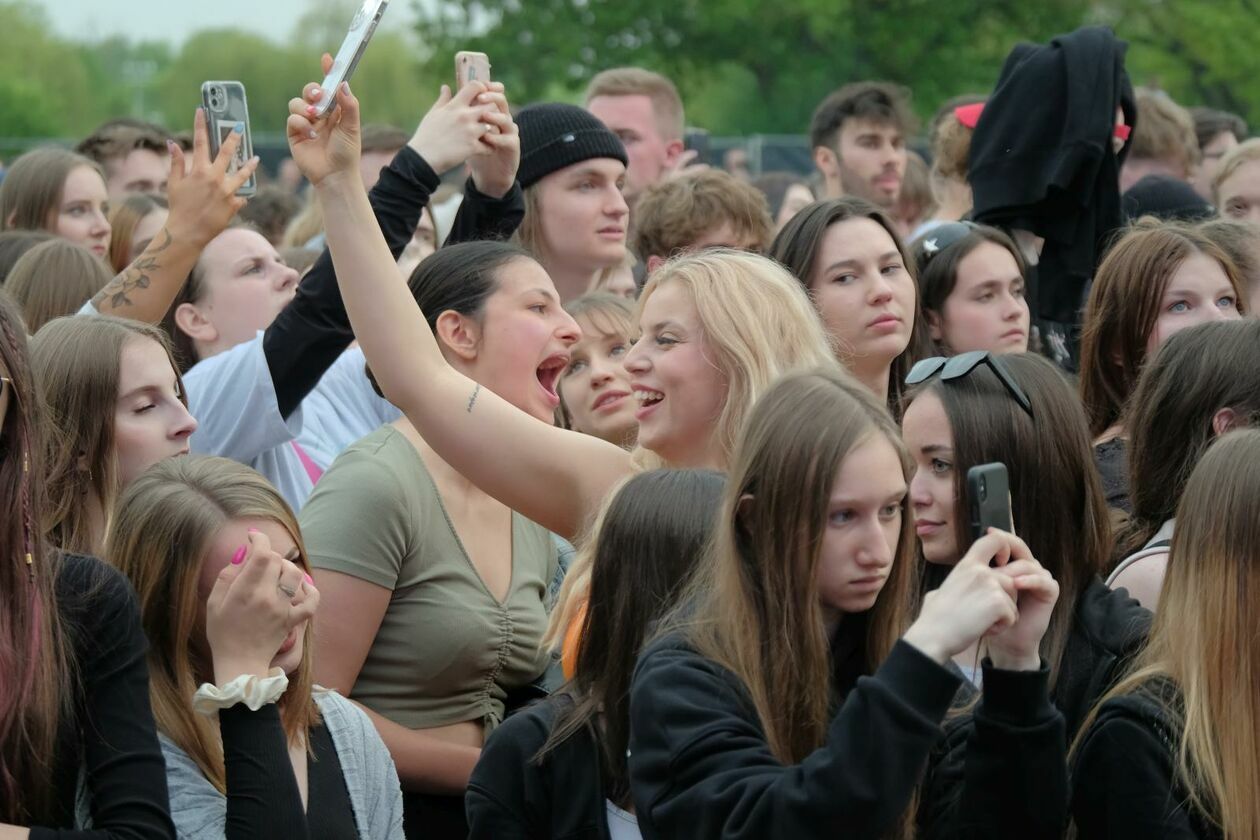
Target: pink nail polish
309,580
253,530
239,557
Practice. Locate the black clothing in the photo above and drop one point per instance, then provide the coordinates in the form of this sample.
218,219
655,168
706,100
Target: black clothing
262,793
1112,459
313,330
1165,197
1042,160
1126,784
430,816
700,765
111,735
555,135
511,797
1108,629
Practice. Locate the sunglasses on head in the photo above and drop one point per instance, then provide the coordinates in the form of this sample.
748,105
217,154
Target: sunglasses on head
956,367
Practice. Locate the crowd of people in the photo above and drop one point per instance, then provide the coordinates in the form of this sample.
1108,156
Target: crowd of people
607,495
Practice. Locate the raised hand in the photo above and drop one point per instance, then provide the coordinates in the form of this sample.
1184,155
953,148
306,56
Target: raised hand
1018,647
498,154
203,198
451,132
974,601
328,145
257,599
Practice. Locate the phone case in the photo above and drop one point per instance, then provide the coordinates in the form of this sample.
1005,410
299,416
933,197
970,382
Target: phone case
471,67
989,497
352,48
225,106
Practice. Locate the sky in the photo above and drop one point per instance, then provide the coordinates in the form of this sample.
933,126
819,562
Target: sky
164,20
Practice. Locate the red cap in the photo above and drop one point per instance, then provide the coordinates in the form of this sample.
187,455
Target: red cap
969,115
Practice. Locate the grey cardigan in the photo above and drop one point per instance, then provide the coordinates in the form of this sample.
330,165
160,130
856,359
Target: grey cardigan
200,811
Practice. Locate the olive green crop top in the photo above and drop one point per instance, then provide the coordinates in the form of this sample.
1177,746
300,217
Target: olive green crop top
446,651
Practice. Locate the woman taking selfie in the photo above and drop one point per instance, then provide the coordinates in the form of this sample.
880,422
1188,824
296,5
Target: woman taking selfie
74,713
717,328
251,749
1174,751
971,279
792,695
847,255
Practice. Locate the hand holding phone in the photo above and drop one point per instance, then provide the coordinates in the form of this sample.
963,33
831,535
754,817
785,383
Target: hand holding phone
988,500
226,108
352,48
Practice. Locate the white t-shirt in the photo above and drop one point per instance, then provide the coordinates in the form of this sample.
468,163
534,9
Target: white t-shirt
622,825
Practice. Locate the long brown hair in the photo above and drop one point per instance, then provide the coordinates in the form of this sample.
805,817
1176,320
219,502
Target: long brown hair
1124,305
123,220
646,543
163,527
34,184
76,362
36,688
1198,372
753,606
797,246
1203,637
1048,456
53,279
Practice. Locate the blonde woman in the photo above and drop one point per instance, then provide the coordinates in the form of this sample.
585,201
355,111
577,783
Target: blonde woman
1174,750
595,395
217,560
716,329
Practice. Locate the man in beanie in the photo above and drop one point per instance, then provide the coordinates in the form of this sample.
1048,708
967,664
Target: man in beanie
573,171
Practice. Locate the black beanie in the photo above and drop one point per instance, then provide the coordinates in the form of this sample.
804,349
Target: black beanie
1167,198
554,136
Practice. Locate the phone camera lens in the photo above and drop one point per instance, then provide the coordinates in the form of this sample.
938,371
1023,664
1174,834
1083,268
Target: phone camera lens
984,489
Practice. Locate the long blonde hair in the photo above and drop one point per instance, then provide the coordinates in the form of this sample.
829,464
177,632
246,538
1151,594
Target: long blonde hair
753,606
1203,638
165,523
76,362
757,322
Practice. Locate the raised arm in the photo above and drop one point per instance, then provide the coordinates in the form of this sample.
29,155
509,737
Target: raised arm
203,202
552,476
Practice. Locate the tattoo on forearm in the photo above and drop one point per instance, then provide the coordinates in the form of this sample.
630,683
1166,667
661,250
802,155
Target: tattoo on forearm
473,399
135,276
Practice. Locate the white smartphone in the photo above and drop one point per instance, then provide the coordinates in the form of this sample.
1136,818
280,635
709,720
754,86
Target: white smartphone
471,67
226,106
352,49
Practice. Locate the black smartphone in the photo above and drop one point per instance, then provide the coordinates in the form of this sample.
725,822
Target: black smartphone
988,499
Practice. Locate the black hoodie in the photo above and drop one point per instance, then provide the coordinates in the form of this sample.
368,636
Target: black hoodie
1042,160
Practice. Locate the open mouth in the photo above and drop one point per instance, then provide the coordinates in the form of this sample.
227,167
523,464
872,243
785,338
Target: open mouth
648,399
608,399
549,374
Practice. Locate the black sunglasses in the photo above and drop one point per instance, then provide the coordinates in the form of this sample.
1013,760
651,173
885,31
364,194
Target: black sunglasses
956,367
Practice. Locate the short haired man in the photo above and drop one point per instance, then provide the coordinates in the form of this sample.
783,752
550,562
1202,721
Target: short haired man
1217,132
380,143
133,154
858,136
644,110
1163,142
707,208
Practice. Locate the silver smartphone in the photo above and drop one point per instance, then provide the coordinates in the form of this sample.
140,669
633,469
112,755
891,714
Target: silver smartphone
352,49
225,106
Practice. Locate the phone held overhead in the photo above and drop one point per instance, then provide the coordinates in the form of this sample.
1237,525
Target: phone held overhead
352,49
226,108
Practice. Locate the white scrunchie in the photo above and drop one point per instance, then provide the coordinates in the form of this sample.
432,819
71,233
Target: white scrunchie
250,689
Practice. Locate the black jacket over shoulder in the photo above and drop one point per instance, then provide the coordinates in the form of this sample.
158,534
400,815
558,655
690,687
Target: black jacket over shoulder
511,797
700,765
1124,780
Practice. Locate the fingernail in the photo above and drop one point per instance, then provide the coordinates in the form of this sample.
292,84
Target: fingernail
239,128
239,557
310,580
170,146
314,135
253,530
310,109
345,87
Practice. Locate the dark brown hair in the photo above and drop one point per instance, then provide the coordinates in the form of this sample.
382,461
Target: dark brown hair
1198,372
939,273
1124,306
36,689
648,540
1057,500
1209,123
796,248
15,243
881,102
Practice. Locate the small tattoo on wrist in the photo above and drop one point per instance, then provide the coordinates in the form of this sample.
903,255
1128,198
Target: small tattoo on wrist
473,399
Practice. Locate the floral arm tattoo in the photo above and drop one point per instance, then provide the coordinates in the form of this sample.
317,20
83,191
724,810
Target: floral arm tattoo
135,276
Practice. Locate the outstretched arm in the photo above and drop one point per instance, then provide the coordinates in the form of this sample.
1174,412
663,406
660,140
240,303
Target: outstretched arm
553,476
203,203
